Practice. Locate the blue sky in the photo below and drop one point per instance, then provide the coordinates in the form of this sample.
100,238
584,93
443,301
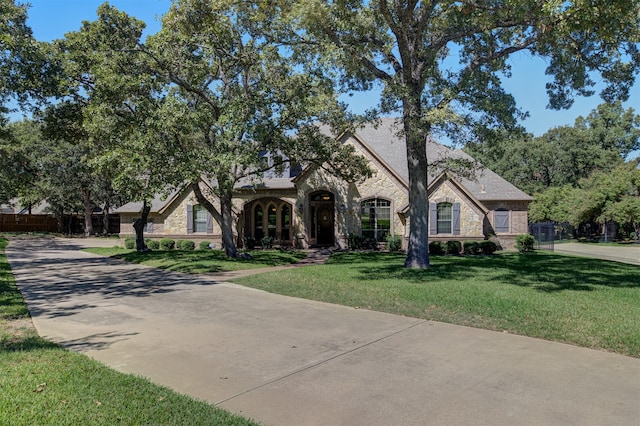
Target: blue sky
51,19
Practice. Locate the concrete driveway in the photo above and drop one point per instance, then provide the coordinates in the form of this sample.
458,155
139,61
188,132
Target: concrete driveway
629,253
287,361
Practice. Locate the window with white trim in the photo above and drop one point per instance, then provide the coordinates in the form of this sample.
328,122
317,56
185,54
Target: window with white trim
199,218
444,218
375,218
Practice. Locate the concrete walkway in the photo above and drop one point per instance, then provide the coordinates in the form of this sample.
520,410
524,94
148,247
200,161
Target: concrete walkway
287,361
618,253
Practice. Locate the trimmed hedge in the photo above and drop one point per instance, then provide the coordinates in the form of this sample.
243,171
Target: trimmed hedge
471,248
153,244
454,247
436,248
204,245
167,244
488,247
186,245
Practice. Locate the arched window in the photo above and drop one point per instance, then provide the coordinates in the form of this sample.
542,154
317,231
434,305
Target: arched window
257,220
285,223
272,219
444,218
375,218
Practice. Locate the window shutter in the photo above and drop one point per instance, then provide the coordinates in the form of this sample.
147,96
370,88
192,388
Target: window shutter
456,218
502,221
189,219
433,218
209,223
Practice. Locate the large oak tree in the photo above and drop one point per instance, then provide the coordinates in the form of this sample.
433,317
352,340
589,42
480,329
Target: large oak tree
440,63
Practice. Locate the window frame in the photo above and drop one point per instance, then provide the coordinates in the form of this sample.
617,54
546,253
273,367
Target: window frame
374,206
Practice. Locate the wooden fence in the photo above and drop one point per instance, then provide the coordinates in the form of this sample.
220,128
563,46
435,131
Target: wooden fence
28,223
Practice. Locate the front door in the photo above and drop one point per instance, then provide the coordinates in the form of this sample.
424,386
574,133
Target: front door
325,224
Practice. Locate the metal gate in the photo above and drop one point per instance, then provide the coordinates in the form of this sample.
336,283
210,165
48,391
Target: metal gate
544,233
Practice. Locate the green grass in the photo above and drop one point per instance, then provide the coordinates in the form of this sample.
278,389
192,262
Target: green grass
44,384
202,261
581,301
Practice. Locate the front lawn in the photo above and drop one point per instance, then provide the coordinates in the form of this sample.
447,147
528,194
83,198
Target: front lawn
582,301
44,384
202,261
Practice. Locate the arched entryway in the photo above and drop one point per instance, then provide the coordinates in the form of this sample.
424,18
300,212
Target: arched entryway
322,213
268,217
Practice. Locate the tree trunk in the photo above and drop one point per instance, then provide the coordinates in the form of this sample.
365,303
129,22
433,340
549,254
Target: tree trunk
88,224
225,217
228,219
416,139
139,226
105,218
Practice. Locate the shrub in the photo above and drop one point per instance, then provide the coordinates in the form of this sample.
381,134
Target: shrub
267,242
454,247
249,243
488,247
355,241
436,248
186,245
471,248
525,242
167,244
153,244
394,242
129,243
204,245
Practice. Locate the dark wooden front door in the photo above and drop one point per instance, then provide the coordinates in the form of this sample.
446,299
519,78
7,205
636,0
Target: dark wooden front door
325,224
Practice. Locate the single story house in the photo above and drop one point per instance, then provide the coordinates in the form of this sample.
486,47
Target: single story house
310,207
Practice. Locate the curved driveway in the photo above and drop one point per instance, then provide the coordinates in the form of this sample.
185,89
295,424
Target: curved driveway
287,361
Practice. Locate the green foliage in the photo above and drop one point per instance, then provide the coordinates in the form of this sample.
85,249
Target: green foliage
266,242
487,247
563,155
436,248
454,247
153,244
130,243
525,243
167,244
186,245
206,261
605,196
204,245
471,248
250,243
394,242
436,64
355,241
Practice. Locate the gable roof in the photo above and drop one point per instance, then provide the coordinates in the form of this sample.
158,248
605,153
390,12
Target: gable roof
382,138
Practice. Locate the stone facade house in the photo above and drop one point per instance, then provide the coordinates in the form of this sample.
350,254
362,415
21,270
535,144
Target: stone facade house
310,207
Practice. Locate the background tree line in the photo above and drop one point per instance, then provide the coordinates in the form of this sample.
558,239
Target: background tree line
578,174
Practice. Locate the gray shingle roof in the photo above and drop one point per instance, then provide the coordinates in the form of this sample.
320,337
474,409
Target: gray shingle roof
384,140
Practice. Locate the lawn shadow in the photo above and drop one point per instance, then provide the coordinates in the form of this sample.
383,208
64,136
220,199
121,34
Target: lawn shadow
26,342
542,271
65,281
96,341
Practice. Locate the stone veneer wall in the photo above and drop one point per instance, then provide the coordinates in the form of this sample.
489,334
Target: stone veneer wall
518,220
471,217
347,201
